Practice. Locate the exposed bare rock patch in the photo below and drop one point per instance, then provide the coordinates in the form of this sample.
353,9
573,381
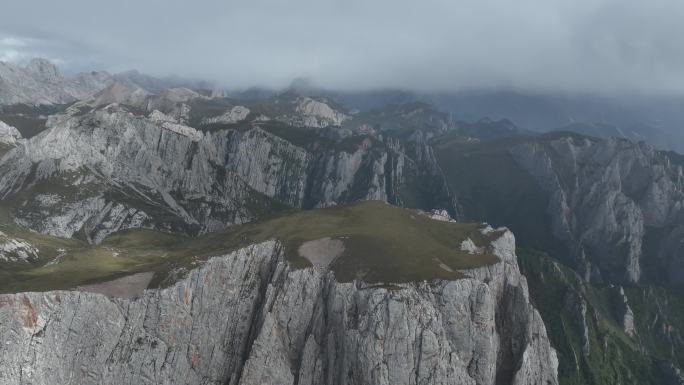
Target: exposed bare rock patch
321,252
8,134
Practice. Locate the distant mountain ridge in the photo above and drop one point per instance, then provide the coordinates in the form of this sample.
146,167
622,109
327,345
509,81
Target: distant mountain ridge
40,82
656,120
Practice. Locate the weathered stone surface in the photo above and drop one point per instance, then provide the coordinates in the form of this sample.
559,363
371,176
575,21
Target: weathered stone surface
8,134
604,194
248,318
234,115
16,249
154,172
627,314
309,112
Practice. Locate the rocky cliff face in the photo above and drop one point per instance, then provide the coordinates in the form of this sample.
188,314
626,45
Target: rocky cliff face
152,166
605,197
8,134
303,111
232,116
249,318
16,250
106,169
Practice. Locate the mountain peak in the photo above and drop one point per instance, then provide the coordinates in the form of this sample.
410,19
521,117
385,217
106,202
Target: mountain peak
44,70
302,85
119,92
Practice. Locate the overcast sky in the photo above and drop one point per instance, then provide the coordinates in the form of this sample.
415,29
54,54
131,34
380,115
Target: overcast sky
574,45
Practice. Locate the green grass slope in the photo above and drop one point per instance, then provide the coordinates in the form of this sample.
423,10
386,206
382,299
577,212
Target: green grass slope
382,244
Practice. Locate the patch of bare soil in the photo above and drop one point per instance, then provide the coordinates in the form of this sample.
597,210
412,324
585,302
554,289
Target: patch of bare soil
321,252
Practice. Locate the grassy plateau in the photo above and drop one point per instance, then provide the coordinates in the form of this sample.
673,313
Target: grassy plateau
382,244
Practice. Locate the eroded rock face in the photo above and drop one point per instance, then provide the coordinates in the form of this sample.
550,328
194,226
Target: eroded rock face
313,113
178,170
8,134
628,324
16,250
108,169
232,116
248,318
604,195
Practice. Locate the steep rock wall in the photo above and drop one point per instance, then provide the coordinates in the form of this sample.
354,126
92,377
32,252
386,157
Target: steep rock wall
248,318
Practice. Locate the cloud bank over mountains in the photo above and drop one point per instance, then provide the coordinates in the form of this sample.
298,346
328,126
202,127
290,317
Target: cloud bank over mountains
583,45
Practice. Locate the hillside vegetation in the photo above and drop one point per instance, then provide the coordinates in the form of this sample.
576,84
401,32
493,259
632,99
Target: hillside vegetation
380,244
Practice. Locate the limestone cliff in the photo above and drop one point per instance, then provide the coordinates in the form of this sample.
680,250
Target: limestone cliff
249,318
605,197
107,169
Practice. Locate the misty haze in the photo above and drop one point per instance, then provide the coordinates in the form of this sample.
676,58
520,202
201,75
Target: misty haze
342,192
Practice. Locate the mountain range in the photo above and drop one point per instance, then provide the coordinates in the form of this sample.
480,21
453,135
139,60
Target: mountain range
308,238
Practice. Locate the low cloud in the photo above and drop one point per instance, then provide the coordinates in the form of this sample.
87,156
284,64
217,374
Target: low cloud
580,45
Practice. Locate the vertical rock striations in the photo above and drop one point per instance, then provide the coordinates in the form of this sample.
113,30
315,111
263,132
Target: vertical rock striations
248,318
605,197
109,169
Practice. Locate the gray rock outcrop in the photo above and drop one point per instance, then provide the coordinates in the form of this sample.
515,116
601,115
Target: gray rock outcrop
8,134
604,196
308,112
628,324
109,169
16,249
248,318
232,116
